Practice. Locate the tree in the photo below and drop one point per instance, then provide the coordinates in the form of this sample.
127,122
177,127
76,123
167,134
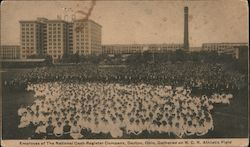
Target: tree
76,57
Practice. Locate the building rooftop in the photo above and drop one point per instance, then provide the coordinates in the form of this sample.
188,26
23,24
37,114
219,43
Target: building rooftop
139,44
28,21
245,43
42,19
86,20
57,20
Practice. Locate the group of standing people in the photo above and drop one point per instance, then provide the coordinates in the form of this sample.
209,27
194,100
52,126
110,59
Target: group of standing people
201,77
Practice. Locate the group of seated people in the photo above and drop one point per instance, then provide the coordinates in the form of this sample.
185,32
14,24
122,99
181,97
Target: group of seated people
74,110
221,98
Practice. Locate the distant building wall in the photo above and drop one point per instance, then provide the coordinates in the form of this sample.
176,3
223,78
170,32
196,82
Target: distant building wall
56,38
86,37
30,38
224,48
10,52
139,48
70,37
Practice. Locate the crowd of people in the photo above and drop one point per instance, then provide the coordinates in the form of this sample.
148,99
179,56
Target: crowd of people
204,77
84,101
83,110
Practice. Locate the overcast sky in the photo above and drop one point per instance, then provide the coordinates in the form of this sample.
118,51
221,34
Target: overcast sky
140,21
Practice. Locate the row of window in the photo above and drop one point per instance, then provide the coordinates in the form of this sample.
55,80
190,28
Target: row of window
28,52
31,33
55,56
55,24
54,32
82,43
23,48
59,52
55,36
29,40
28,29
82,48
84,52
58,47
30,45
54,40
27,37
60,24
30,25
82,35
82,39
54,28
55,43
57,28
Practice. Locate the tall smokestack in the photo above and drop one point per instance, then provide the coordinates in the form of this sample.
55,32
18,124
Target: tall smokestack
186,41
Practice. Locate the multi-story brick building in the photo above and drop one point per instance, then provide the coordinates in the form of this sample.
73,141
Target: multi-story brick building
86,37
58,37
31,38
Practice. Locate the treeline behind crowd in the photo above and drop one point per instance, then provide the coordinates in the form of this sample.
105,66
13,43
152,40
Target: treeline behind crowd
177,56
146,57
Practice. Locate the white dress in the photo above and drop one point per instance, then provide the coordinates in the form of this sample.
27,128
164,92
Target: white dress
24,122
58,131
21,111
75,132
115,131
41,129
